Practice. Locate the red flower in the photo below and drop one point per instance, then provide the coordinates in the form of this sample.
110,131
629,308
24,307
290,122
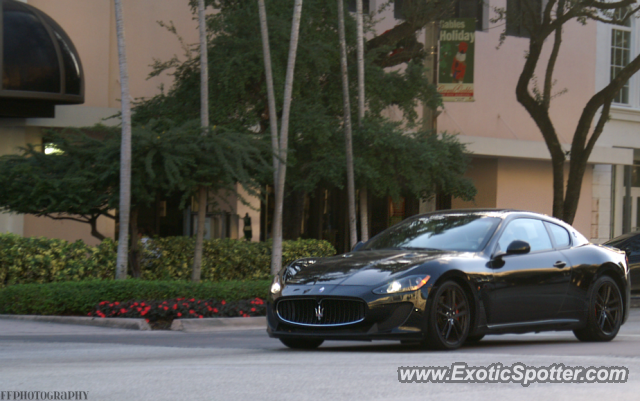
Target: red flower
160,306
175,306
253,309
147,320
166,308
89,314
141,303
192,299
123,310
135,304
179,314
223,302
192,312
116,303
200,317
215,310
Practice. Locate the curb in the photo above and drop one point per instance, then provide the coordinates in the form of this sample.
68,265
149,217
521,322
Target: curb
219,324
113,322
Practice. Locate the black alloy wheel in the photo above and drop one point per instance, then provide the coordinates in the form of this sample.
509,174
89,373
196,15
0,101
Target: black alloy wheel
302,343
448,320
605,312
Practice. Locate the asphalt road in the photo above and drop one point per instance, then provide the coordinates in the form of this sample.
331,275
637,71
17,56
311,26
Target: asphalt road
115,364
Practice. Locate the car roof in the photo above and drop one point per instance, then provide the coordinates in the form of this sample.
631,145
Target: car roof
487,211
623,237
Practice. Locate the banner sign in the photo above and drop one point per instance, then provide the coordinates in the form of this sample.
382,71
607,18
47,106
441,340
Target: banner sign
455,59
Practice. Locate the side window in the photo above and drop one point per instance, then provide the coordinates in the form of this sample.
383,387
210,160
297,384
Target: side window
633,247
560,235
529,230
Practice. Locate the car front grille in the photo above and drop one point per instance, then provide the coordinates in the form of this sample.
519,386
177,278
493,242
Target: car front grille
323,312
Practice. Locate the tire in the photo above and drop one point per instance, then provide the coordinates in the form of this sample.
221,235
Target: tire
302,343
474,339
605,312
448,317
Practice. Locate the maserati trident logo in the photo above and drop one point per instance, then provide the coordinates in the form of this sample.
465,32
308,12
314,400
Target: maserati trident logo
319,312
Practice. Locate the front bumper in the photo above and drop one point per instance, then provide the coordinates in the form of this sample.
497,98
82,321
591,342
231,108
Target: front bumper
387,317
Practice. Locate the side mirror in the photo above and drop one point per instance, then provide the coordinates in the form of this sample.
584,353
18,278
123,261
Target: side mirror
518,247
357,246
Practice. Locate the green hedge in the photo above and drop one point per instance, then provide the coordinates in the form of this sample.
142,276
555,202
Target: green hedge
42,260
45,260
80,298
223,259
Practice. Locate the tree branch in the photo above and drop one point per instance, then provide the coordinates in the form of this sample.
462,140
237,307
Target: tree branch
548,78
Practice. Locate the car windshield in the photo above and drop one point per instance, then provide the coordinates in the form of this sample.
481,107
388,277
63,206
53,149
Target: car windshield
454,232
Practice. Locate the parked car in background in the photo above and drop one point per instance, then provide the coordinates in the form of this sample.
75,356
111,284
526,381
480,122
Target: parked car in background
447,278
630,244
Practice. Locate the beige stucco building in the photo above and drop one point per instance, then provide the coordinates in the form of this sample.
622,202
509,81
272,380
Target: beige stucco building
510,167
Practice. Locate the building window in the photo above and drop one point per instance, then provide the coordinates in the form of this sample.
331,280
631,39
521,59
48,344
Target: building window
351,6
398,12
620,54
462,9
471,9
516,16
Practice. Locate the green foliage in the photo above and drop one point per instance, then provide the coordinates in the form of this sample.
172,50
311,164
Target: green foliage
80,298
42,260
316,144
222,259
391,161
81,181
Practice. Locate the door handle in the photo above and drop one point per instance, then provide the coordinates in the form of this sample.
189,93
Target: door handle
560,264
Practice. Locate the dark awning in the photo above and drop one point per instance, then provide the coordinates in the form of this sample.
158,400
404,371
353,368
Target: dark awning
40,66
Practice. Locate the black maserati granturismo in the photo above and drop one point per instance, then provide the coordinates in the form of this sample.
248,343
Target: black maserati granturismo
446,278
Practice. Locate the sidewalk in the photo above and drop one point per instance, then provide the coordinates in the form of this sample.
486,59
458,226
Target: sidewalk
185,325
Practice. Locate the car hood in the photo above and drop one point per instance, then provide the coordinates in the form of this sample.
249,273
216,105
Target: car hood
359,268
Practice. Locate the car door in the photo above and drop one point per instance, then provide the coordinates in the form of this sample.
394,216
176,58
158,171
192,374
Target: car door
527,287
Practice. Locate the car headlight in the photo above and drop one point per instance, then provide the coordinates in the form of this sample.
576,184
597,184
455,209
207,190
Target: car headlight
405,284
275,286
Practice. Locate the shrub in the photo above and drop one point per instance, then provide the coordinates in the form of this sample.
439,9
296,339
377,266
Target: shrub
42,260
223,259
80,298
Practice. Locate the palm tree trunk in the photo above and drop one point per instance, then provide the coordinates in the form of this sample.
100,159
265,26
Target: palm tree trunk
271,97
202,214
134,260
276,253
204,121
353,234
364,209
125,150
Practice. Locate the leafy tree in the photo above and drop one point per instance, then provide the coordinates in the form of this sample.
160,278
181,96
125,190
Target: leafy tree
240,90
80,181
544,27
